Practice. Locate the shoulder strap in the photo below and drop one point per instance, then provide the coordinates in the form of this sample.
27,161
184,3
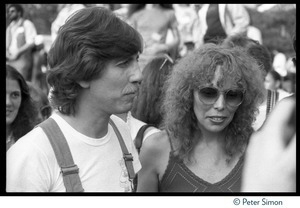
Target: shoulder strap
271,100
63,155
140,136
126,155
170,140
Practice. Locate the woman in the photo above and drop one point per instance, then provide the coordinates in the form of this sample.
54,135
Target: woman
41,101
209,107
21,113
147,105
146,108
154,22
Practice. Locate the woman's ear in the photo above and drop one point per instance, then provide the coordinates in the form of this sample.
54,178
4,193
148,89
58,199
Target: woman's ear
84,84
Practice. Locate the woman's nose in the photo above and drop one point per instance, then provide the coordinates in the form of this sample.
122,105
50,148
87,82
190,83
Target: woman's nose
220,102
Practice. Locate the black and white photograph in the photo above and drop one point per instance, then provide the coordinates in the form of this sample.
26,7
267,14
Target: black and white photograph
152,100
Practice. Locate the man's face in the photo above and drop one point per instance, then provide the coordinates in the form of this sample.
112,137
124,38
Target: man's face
115,90
13,14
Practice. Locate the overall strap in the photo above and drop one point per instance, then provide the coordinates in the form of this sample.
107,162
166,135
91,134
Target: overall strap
140,136
128,158
63,155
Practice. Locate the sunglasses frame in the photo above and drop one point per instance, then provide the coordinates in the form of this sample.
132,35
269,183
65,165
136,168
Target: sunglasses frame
224,92
167,58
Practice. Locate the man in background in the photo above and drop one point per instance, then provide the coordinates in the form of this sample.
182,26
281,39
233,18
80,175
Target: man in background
20,37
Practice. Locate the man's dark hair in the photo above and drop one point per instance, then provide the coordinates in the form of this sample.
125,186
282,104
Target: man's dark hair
85,44
18,7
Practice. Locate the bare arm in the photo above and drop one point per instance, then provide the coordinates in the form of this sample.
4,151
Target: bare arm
154,158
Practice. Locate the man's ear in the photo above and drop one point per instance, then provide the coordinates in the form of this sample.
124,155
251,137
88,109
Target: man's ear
84,84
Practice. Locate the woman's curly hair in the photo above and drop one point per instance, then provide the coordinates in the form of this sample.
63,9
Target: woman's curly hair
26,118
197,69
90,38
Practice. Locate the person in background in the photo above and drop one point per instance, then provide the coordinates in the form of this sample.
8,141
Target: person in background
147,105
279,62
273,81
41,101
211,97
65,10
20,41
289,83
188,26
154,21
123,11
93,73
263,57
275,169
21,113
217,21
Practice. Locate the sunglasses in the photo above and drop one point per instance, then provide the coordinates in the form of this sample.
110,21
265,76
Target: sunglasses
209,95
167,58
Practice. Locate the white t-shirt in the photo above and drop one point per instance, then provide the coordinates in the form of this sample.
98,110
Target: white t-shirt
32,166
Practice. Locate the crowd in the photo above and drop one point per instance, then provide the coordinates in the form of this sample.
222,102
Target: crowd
146,98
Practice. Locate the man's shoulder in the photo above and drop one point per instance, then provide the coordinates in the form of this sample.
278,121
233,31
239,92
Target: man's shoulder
28,23
32,135
33,141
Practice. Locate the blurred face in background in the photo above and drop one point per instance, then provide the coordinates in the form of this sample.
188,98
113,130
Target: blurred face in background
13,100
271,83
13,14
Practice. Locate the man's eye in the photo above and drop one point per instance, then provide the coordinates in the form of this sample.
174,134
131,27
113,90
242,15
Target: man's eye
124,63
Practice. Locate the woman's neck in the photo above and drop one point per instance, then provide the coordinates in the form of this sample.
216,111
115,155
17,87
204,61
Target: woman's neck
210,145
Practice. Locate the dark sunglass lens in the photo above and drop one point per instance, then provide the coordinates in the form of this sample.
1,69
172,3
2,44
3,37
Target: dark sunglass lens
208,95
234,97
209,92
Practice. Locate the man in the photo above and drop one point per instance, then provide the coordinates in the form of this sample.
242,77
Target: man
20,36
93,74
218,21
